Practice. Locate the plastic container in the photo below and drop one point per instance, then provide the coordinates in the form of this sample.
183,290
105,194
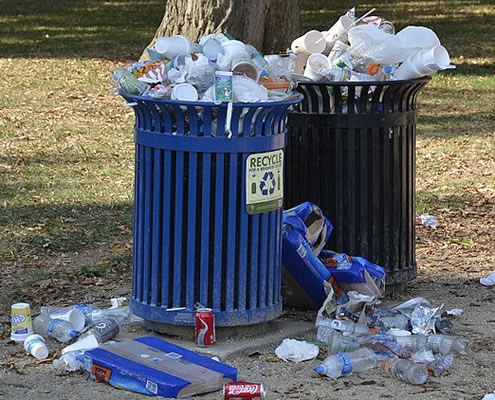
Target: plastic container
173,46
444,344
412,343
21,324
35,345
315,67
55,328
405,370
184,92
345,363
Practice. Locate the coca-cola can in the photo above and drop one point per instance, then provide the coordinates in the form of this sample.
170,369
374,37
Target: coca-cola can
205,327
244,390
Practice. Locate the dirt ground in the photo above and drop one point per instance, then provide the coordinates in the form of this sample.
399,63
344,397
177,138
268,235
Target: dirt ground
449,273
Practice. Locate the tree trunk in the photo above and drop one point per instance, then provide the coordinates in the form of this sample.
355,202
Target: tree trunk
269,25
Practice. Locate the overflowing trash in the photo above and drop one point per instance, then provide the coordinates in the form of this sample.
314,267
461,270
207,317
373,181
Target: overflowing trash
409,341
368,49
217,69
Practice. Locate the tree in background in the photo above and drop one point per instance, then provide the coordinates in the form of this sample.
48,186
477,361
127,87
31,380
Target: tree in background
269,25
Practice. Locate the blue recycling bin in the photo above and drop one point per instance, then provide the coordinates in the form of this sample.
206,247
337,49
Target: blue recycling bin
208,200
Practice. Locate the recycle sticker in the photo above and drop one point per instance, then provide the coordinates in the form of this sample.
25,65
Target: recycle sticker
264,182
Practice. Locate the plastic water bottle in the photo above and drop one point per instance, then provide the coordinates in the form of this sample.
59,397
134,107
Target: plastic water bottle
427,220
345,363
406,370
444,344
338,343
393,321
349,328
105,329
55,328
412,343
86,309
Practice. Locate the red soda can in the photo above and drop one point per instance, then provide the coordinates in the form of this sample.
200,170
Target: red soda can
244,390
205,327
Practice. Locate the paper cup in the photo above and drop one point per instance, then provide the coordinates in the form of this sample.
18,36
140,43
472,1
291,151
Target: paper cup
231,47
212,48
22,325
310,42
35,345
74,316
435,58
184,92
241,63
173,46
85,343
316,63
407,70
338,31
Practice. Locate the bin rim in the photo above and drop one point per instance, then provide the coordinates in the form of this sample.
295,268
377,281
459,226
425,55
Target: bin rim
294,98
424,79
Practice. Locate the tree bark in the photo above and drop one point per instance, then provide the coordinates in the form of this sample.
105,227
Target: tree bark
269,25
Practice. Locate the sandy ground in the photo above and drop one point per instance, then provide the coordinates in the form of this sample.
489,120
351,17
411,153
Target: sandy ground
448,273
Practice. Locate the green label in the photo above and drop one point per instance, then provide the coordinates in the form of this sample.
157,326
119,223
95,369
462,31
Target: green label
223,86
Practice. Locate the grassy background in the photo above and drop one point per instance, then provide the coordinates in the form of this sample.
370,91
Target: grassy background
66,146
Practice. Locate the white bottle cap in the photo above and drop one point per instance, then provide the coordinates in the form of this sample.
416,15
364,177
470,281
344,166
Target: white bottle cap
39,351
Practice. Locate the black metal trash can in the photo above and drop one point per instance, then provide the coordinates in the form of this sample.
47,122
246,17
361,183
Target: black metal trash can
351,150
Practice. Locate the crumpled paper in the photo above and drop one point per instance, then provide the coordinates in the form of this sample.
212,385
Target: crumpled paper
296,350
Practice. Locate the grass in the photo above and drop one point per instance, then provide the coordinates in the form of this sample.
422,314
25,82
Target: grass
66,145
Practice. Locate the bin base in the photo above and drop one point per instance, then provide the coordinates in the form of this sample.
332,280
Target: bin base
160,316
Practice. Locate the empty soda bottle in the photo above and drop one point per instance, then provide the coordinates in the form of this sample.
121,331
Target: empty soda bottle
55,328
444,344
345,363
413,343
405,370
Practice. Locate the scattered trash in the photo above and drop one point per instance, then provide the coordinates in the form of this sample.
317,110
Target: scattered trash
69,362
204,327
296,350
489,280
427,220
440,364
35,345
456,312
489,396
244,390
55,328
71,314
342,364
152,366
21,325
406,370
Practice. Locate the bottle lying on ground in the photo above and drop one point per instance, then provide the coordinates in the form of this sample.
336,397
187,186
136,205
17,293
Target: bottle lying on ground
405,370
444,344
345,363
55,328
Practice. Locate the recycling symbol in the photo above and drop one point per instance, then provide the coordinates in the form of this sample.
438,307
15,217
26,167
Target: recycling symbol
267,184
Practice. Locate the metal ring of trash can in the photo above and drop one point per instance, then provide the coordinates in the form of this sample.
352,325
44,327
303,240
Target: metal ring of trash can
194,241
367,193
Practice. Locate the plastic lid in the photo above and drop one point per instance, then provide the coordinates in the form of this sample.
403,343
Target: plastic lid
185,92
73,333
39,351
320,369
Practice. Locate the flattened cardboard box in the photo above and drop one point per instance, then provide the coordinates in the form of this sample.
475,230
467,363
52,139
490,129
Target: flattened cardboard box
153,366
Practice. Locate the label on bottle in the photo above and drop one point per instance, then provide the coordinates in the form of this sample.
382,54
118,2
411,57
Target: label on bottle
52,326
346,362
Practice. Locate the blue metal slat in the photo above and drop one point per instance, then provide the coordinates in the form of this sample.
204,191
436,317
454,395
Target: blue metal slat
178,238
205,229
166,229
253,262
147,227
231,230
243,242
263,259
218,237
157,227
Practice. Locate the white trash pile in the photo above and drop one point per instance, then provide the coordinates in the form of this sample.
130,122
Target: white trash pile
217,69
368,49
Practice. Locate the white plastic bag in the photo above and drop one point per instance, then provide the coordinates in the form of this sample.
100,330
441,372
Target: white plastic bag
296,350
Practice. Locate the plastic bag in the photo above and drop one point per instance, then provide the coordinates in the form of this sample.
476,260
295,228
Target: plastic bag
296,350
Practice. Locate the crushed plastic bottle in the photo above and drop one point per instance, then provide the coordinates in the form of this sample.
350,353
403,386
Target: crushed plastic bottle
444,344
69,362
440,364
406,371
342,364
412,343
427,220
55,328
